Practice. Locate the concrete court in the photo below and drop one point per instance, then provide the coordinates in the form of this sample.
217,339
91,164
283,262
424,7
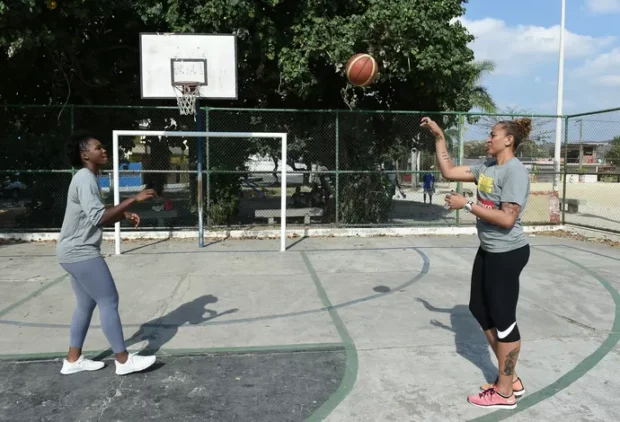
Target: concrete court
345,329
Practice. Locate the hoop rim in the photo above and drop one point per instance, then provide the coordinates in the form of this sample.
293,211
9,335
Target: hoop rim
189,84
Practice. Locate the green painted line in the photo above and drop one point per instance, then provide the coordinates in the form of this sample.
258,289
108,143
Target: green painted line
32,295
578,371
351,365
282,348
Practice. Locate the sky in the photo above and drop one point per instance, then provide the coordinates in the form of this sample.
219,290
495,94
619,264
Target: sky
522,38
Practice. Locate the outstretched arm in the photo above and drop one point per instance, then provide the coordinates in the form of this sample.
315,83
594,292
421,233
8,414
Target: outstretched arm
447,167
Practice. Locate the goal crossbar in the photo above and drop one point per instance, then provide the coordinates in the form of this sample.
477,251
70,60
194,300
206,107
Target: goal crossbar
198,134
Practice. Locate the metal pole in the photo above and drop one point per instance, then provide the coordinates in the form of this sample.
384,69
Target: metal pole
563,198
283,195
208,170
199,200
117,194
558,127
337,194
459,159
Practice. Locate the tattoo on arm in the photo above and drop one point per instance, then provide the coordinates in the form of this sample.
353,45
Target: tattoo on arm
511,208
445,156
511,362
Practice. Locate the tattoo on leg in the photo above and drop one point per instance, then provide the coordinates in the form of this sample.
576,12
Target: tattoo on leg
511,362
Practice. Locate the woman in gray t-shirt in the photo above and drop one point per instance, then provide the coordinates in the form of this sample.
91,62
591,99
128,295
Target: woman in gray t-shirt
78,252
503,190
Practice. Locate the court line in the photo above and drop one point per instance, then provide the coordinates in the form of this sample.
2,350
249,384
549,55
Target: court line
33,294
423,272
282,348
271,251
351,360
593,253
578,371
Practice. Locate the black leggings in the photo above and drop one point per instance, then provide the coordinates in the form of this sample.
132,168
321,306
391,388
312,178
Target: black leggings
495,291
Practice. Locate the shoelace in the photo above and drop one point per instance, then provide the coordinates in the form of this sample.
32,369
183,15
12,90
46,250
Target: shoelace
488,392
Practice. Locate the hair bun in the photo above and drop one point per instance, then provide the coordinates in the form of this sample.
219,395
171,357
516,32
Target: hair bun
525,126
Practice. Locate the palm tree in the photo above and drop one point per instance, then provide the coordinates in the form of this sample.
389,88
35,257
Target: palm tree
480,96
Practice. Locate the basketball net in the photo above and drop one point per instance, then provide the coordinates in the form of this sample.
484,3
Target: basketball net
186,94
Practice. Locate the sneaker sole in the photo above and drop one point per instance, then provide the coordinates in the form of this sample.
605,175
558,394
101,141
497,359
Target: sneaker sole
136,370
495,406
76,371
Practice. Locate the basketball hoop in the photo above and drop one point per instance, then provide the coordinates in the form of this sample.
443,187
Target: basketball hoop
186,93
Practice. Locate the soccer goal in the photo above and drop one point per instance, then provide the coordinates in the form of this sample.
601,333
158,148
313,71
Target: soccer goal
116,134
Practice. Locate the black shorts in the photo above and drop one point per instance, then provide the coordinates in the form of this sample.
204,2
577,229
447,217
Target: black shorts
495,290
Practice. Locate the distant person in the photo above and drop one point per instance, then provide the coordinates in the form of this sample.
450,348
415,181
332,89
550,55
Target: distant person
393,178
429,186
79,253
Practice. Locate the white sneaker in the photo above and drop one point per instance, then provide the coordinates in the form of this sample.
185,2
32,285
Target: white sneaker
82,364
135,363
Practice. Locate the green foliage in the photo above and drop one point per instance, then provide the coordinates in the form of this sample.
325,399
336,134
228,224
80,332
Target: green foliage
364,199
613,155
290,54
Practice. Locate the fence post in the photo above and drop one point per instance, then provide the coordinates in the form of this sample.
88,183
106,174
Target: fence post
459,158
208,170
199,194
563,197
72,128
337,196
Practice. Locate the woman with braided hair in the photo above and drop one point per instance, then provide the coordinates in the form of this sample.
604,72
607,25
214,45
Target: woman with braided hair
503,189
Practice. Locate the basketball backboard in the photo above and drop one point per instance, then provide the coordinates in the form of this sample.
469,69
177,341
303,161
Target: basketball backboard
208,60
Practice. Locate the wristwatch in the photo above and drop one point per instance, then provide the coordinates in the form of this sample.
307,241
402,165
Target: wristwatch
468,206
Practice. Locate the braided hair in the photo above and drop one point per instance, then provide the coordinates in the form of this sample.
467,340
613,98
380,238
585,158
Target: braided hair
77,143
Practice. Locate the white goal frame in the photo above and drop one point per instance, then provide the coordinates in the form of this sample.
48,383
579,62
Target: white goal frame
197,134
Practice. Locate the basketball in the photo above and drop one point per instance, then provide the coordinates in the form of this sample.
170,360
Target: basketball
362,69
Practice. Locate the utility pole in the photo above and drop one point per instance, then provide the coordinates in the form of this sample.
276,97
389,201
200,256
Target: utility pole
558,127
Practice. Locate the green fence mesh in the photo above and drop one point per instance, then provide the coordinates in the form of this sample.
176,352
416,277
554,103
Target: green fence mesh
345,168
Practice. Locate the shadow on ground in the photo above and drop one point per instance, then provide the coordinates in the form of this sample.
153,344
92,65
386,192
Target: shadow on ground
469,339
159,331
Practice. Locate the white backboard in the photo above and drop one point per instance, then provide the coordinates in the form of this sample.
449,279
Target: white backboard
210,59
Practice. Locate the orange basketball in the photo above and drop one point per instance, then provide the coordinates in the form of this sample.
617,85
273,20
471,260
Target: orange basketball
362,69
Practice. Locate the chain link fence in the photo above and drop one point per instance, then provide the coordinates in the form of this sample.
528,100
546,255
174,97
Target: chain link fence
591,158
345,168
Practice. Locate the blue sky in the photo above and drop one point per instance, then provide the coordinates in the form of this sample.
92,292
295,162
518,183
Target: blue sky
522,37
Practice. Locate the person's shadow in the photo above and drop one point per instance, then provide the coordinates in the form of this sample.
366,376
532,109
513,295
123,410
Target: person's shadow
161,330
468,337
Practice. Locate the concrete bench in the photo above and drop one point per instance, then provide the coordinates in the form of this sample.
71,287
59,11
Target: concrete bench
272,214
572,204
160,216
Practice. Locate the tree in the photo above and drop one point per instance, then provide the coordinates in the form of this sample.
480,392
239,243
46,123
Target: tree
613,155
480,96
290,54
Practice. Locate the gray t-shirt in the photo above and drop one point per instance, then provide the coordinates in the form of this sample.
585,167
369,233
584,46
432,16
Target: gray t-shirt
80,237
509,182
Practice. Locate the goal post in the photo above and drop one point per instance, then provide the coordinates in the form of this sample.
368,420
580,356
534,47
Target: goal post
197,134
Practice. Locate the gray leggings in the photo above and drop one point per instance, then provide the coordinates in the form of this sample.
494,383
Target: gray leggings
93,285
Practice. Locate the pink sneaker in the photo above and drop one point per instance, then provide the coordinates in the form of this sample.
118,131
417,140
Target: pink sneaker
492,399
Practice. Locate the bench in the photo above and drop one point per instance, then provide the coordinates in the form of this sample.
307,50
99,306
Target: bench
272,214
160,216
572,205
